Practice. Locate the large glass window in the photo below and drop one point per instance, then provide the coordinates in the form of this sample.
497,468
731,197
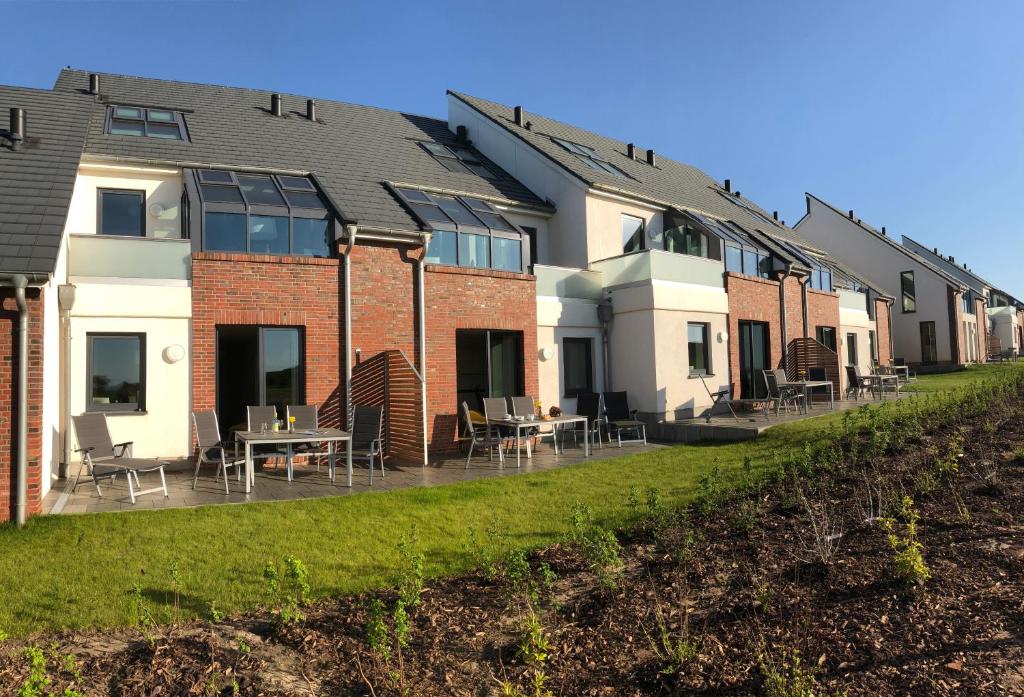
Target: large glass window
488,363
122,213
258,366
473,251
140,121
873,346
697,339
827,337
263,214
506,254
733,259
578,365
687,240
909,294
466,231
632,233
851,348
459,159
224,232
116,372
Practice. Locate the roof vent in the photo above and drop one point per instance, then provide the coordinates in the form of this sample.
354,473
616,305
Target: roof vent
529,125
462,134
275,104
850,214
727,185
17,133
630,151
311,109
965,266
518,113
951,259
652,159
736,194
935,250
94,83
775,216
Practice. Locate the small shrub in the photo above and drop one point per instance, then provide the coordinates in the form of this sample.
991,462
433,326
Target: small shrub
598,545
377,630
38,680
908,558
785,675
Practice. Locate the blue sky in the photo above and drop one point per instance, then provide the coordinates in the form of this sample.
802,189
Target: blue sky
911,113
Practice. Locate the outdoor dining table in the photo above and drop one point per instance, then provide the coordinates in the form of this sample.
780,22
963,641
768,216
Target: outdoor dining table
518,425
808,385
880,379
331,436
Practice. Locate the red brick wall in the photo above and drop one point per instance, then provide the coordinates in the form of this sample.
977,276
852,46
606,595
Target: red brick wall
471,299
882,336
982,317
822,311
9,401
272,291
794,309
754,299
384,299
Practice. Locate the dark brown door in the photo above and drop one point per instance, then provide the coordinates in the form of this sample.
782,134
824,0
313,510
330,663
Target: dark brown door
929,350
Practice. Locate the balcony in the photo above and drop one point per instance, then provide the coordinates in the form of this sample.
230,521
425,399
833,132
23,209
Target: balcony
559,282
99,256
657,265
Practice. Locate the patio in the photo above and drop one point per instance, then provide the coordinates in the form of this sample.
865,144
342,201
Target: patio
272,485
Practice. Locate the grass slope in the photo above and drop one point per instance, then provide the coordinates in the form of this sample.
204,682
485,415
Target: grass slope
70,572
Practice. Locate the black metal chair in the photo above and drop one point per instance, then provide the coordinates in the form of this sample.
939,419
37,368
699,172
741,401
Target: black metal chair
367,440
619,419
480,434
211,448
588,404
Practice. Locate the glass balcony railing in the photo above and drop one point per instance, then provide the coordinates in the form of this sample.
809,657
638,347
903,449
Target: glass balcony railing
100,256
658,265
567,283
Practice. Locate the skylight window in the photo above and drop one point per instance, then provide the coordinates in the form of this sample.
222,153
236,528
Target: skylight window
262,214
459,160
467,232
733,198
589,157
145,122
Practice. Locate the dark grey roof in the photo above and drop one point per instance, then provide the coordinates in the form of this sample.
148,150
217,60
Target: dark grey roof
670,183
352,150
948,278
37,179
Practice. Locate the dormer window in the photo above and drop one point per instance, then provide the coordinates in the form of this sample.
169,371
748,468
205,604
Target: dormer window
145,122
459,160
589,157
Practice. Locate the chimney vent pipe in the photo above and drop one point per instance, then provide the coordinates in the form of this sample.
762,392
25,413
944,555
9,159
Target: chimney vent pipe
461,134
94,83
311,109
652,159
850,214
775,216
727,185
275,104
518,111
631,151
529,125
17,126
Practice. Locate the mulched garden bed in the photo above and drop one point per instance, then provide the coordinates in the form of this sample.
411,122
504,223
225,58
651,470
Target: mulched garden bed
737,592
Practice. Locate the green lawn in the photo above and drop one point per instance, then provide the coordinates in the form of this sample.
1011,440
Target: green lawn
78,571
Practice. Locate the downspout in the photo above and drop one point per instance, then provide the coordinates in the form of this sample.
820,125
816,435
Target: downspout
421,301
350,231
782,307
803,298
21,501
65,302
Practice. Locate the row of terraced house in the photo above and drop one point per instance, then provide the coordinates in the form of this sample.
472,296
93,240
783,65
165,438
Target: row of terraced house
168,247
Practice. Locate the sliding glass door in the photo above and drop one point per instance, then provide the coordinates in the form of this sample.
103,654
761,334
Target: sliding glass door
488,363
754,358
929,346
257,366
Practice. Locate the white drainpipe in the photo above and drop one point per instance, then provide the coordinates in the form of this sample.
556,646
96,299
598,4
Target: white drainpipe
421,300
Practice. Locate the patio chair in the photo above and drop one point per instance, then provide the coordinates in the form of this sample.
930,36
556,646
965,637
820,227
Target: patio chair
588,404
782,395
211,448
857,383
619,418
367,440
722,395
902,362
307,418
480,435
99,451
524,406
497,408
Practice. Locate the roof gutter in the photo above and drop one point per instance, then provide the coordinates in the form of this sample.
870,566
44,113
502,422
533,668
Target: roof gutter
20,282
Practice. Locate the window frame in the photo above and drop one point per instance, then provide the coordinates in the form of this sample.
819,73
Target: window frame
90,406
100,191
472,206
706,330
904,294
589,360
588,156
819,334
643,232
873,346
249,209
178,120
851,349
